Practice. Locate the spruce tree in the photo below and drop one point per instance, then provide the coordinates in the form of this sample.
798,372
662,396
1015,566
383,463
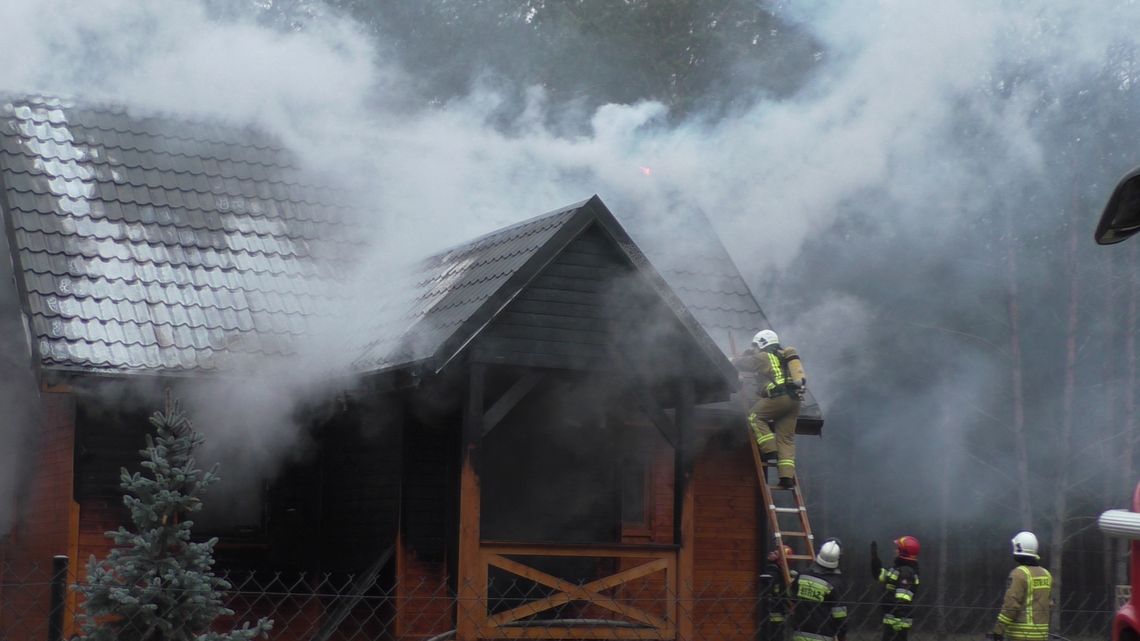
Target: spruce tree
157,584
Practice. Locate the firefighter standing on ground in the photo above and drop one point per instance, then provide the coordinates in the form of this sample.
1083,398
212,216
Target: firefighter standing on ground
780,376
818,614
900,585
774,597
1024,612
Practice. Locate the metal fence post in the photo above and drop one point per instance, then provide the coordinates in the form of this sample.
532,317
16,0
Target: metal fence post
58,597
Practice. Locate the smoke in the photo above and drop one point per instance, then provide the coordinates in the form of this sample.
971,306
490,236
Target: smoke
865,207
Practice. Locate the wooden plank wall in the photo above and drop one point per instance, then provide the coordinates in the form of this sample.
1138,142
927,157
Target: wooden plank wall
361,463
727,554
45,527
562,319
423,593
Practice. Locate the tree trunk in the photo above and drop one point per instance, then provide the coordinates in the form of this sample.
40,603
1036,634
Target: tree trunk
1068,397
943,547
1024,505
1130,329
1109,443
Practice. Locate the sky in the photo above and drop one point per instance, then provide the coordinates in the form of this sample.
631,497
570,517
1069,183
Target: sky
919,126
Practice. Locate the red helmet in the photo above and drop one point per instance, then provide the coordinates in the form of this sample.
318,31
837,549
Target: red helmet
774,555
908,547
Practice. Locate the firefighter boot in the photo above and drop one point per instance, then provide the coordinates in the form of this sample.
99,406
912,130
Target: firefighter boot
787,482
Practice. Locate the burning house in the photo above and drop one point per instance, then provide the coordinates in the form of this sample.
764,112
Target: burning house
537,428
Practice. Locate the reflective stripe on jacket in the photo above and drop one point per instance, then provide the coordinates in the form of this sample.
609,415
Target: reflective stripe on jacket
1025,609
817,609
900,585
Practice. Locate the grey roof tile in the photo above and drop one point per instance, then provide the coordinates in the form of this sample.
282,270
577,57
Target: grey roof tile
168,232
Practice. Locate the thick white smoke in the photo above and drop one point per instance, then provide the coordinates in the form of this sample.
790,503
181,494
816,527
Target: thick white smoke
879,127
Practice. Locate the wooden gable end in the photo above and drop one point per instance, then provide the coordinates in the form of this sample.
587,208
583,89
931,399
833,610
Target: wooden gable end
579,311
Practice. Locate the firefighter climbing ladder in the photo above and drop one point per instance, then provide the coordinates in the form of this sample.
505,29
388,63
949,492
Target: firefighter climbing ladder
797,510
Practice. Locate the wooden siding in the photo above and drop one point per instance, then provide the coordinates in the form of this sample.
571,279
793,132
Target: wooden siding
45,526
361,465
728,545
571,314
426,539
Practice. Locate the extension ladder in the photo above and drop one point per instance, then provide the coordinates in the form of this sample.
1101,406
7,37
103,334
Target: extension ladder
797,509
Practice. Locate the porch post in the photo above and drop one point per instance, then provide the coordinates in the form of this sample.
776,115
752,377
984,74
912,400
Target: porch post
471,610
684,523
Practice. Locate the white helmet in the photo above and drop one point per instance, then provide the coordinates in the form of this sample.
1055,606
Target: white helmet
828,555
764,338
1025,544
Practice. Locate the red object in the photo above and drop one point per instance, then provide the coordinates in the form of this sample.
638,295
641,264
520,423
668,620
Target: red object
1126,623
774,555
908,547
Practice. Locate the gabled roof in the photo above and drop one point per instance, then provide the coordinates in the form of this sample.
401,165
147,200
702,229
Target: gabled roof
158,244
460,291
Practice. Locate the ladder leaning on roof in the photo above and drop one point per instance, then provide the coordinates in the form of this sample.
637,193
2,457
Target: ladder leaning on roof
802,525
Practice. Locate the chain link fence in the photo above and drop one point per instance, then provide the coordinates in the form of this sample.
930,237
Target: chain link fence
36,604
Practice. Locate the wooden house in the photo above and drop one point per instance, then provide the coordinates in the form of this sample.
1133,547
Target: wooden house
540,439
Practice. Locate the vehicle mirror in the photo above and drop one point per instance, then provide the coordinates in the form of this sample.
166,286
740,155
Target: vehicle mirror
1121,216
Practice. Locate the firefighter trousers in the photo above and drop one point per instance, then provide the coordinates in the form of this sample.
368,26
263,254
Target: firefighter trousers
781,412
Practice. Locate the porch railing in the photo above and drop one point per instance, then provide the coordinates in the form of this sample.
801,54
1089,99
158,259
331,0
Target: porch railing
636,599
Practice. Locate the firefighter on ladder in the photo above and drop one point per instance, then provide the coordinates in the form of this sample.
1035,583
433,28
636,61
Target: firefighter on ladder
818,614
1024,612
780,376
900,585
774,597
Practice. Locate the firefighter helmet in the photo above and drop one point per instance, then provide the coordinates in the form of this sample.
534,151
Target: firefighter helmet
764,338
828,555
1025,544
774,555
908,548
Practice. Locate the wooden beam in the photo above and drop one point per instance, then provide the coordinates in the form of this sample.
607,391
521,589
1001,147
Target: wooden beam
589,592
471,609
551,632
510,399
685,523
582,550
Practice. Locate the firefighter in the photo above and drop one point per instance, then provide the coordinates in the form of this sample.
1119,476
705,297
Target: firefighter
1024,612
900,585
774,597
780,376
818,614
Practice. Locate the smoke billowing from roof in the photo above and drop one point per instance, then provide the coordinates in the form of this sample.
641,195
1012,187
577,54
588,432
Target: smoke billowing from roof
864,207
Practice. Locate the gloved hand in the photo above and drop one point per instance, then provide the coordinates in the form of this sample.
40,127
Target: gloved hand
997,637
876,564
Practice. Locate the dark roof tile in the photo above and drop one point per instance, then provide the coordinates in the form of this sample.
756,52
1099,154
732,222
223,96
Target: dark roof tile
152,243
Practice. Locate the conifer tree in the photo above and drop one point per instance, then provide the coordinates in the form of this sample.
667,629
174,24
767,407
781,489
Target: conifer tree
157,584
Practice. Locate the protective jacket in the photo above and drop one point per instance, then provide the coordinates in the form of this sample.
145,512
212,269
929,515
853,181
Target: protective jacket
772,419
777,373
818,614
1025,609
900,586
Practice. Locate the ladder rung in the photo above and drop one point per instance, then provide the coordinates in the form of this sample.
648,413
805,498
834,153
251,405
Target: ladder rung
800,557
794,534
786,510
